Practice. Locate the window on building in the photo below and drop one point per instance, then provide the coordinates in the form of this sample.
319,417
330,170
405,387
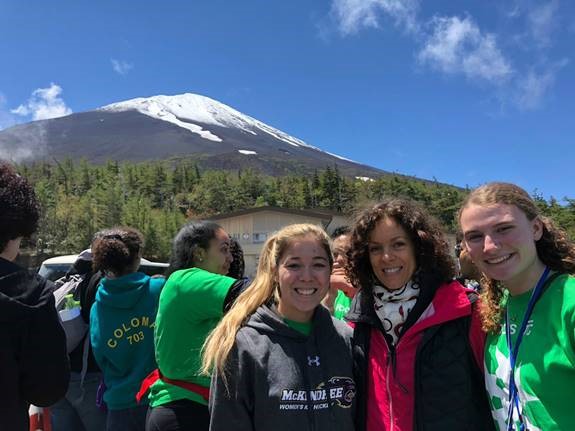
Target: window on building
259,237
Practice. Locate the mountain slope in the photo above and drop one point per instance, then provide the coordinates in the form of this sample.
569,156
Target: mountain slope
168,127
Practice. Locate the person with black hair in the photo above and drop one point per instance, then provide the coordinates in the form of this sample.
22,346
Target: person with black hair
237,266
122,324
33,353
196,296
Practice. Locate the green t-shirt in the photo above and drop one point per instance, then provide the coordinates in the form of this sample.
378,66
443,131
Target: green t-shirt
301,327
191,305
545,366
341,305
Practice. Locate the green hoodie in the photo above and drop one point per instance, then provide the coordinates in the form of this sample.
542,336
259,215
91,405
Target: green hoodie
122,322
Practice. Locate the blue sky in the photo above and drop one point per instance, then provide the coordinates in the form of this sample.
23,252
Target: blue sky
461,91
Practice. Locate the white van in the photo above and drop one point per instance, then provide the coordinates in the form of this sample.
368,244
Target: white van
57,267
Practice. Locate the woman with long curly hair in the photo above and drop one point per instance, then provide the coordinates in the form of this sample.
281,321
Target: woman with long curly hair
281,361
528,307
417,338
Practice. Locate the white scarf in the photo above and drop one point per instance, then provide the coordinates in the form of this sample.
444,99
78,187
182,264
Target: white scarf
393,306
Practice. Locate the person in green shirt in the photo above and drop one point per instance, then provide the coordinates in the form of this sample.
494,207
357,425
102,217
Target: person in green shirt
528,307
281,361
194,299
341,292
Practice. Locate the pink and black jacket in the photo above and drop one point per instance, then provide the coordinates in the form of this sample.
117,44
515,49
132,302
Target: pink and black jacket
432,379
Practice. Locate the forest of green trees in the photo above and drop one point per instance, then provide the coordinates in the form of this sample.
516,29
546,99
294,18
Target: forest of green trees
79,199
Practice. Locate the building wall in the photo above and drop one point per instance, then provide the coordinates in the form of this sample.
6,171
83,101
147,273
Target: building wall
252,230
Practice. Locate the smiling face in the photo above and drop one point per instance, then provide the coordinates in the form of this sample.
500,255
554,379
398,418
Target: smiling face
217,258
340,246
501,242
391,254
303,277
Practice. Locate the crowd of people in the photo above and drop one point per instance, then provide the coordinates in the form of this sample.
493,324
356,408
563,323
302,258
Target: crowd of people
379,327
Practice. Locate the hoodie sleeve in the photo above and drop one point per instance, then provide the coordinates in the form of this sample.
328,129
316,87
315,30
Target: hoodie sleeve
45,371
231,406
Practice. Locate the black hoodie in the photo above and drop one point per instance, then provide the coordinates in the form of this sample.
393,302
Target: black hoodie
282,380
33,361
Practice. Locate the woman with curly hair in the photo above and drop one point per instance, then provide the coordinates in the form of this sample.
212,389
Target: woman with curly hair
528,307
417,338
122,322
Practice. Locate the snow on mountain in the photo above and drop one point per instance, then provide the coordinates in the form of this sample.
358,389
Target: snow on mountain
185,109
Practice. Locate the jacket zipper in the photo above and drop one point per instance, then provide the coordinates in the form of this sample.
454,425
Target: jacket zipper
389,396
391,364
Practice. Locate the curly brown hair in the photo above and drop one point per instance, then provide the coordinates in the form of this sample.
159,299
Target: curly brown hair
116,250
426,233
20,209
554,248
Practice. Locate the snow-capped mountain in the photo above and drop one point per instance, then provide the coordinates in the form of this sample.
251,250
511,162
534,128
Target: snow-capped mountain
166,127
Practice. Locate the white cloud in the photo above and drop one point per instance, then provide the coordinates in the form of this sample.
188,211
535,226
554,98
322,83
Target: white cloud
354,15
532,88
458,46
121,67
45,103
542,22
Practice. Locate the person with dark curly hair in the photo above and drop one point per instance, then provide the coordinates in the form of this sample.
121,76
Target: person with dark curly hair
528,307
341,292
417,338
122,322
238,265
34,360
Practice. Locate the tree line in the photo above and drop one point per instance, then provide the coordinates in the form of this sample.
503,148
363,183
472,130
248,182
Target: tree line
79,198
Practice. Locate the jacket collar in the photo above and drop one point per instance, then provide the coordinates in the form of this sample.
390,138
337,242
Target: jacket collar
449,302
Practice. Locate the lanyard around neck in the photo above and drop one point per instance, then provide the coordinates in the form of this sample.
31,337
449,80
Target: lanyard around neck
514,350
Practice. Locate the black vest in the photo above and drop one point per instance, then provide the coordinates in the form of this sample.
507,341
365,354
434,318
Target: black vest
450,391
449,386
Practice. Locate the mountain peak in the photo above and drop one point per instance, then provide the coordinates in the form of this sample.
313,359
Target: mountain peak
188,109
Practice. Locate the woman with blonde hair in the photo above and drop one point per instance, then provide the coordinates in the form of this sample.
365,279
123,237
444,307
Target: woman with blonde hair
280,360
528,307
